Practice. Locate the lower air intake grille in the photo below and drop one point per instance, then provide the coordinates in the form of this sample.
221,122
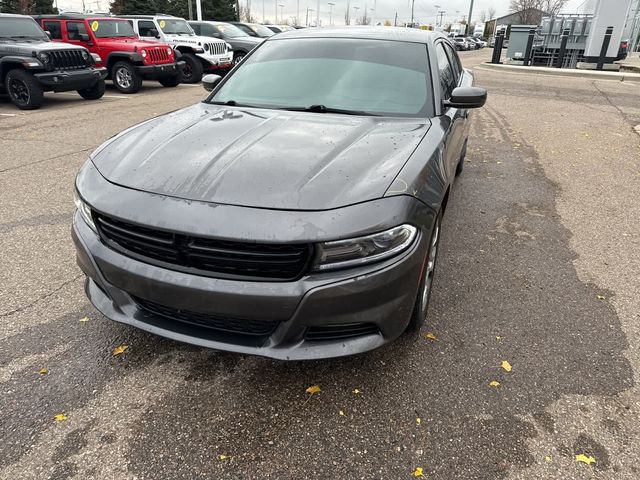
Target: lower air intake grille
224,325
339,332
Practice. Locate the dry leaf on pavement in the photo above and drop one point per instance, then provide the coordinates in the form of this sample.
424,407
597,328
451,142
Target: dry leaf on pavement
418,472
313,389
43,371
120,349
584,459
431,336
61,417
506,365
84,319
494,383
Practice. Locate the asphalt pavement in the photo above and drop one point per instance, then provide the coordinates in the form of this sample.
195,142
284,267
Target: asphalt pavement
538,267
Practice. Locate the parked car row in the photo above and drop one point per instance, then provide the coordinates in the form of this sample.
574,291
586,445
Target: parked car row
462,43
74,51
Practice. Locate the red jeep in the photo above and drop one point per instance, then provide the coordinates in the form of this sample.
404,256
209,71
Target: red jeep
128,59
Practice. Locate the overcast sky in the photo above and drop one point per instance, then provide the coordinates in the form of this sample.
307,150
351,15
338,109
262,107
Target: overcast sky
425,10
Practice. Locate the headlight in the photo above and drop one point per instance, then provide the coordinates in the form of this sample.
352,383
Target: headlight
43,57
85,55
206,47
143,52
169,50
229,47
84,210
96,58
363,250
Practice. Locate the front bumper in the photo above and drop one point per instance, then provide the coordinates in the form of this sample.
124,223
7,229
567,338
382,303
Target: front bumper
71,80
154,72
217,62
381,295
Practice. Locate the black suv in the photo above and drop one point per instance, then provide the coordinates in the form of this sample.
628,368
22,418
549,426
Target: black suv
30,64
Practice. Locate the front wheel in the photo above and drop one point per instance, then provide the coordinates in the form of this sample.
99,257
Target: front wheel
125,78
237,57
93,93
192,72
24,90
421,306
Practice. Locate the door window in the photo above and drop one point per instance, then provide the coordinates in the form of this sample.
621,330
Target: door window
75,29
447,76
54,29
455,62
145,28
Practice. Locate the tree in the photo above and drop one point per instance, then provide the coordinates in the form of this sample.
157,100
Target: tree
526,8
491,13
483,16
347,17
43,7
10,6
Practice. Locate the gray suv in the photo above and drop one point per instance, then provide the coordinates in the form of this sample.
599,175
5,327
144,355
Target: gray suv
241,41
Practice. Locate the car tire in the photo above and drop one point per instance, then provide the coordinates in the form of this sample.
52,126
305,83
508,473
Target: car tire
238,56
171,82
24,90
93,93
421,307
192,72
125,78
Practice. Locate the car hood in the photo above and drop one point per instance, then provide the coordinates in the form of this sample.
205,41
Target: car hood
28,47
261,158
249,42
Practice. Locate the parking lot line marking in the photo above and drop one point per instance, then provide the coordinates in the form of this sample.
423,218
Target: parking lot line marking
8,114
122,97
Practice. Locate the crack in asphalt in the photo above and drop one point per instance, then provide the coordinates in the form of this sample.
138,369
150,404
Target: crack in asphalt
35,162
40,298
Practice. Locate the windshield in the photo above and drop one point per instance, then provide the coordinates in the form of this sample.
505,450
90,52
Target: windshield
16,27
175,27
230,31
261,30
354,75
111,28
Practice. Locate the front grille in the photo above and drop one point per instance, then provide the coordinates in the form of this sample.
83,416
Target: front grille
67,60
218,324
217,48
205,256
341,331
158,55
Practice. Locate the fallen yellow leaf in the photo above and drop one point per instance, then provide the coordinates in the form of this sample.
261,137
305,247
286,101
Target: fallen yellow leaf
61,417
43,371
120,349
313,389
584,459
418,421
356,391
222,457
84,319
498,338
506,365
493,383
431,336
601,297
418,472
341,413
547,459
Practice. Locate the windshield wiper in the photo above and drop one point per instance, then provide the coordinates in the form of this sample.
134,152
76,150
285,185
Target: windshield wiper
233,103
325,109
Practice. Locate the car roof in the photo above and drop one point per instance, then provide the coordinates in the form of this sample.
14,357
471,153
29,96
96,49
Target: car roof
75,16
400,34
13,15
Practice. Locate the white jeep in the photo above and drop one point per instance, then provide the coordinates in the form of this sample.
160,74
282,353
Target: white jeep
199,53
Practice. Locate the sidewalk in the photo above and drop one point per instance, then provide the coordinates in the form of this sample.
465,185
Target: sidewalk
565,72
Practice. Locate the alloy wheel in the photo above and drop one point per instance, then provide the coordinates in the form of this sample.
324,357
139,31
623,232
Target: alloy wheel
123,77
431,264
187,72
19,91
237,59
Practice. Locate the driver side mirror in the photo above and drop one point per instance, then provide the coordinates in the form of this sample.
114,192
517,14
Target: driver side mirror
210,81
466,97
84,37
216,35
48,34
154,33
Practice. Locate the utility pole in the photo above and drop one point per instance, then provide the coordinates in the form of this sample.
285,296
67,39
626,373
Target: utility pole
297,15
262,11
413,4
441,13
395,21
199,10
318,14
356,14
307,21
331,5
276,22
281,12
191,10
469,18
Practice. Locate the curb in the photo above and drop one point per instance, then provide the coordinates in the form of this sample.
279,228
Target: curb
563,72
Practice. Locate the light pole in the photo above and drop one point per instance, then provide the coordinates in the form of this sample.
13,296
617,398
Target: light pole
436,7
331,5
318,14
307,20
276,22
413,4
298,14
469,18
281,14
441,13
356,14
262,11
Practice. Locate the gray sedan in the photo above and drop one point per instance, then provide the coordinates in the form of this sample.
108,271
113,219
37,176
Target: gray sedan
241,42
295,213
